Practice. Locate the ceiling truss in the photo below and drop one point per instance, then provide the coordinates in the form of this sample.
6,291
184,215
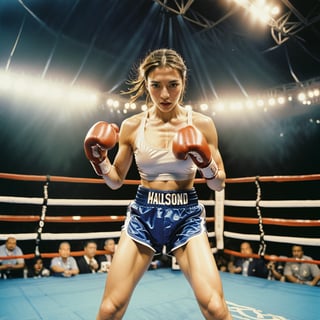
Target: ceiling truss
288,25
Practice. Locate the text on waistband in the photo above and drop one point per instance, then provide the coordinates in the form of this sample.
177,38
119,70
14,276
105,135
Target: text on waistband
174,199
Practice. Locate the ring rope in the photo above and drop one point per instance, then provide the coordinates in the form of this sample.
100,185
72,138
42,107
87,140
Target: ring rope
258,203
273,221
25,177
42,217
269,257
10,218
262,245
278,239
71,236
227,251
111,218
52,255
103,202
77,202
310,177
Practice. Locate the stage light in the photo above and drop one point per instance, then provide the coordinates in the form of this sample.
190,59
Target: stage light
203,107
133,106
220,106
45,91
236,105
116,104
260,10
281,100
272,101
5,81
20,86
55,93
260,103
301,96
249,104
109,102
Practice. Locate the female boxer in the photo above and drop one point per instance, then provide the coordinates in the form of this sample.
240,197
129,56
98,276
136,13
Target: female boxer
169,144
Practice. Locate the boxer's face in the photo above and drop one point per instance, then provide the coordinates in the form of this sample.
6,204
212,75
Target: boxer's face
165,87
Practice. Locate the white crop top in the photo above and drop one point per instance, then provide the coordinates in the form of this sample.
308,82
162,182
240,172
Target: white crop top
158,163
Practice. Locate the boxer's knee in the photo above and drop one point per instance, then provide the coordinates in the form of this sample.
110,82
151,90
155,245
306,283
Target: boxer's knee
216,308
109,310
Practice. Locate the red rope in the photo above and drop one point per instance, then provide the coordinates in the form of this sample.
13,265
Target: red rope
269,257
11,176
52,255
70,219
275,221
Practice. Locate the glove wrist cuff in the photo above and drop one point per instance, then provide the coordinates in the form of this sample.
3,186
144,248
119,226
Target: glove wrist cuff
211,171
102,168
105,167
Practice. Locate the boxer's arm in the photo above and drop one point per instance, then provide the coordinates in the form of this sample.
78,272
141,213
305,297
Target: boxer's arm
208,129
123,159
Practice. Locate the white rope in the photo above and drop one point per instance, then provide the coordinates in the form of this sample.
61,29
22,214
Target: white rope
77,202
211,234
62,236
104,202
70,236
278,239
65,202
23,200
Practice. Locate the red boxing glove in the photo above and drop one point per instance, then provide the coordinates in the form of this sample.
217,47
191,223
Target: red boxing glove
101,137
189,141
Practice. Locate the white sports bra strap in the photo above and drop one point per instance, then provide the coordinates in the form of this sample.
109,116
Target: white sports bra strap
189,117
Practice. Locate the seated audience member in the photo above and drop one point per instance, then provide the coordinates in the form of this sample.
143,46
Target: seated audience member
249,266
222,261
37,270
299,272
276,269
64,265
11,268
160,261
87,263
106,259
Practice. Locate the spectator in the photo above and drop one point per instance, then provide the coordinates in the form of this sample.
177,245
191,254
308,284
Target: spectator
299,272
64,265
160,261
11,268
276,269
221,261
248,266
106,259
87,263
38,270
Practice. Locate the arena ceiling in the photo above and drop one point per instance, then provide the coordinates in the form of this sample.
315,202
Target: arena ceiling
98,41
95,43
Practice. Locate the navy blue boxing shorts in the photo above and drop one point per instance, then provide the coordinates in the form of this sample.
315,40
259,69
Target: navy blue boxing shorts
164,218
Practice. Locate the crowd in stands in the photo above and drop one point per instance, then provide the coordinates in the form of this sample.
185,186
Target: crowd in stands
65,265
293,271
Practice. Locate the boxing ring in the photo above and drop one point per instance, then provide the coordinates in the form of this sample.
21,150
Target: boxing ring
34,208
